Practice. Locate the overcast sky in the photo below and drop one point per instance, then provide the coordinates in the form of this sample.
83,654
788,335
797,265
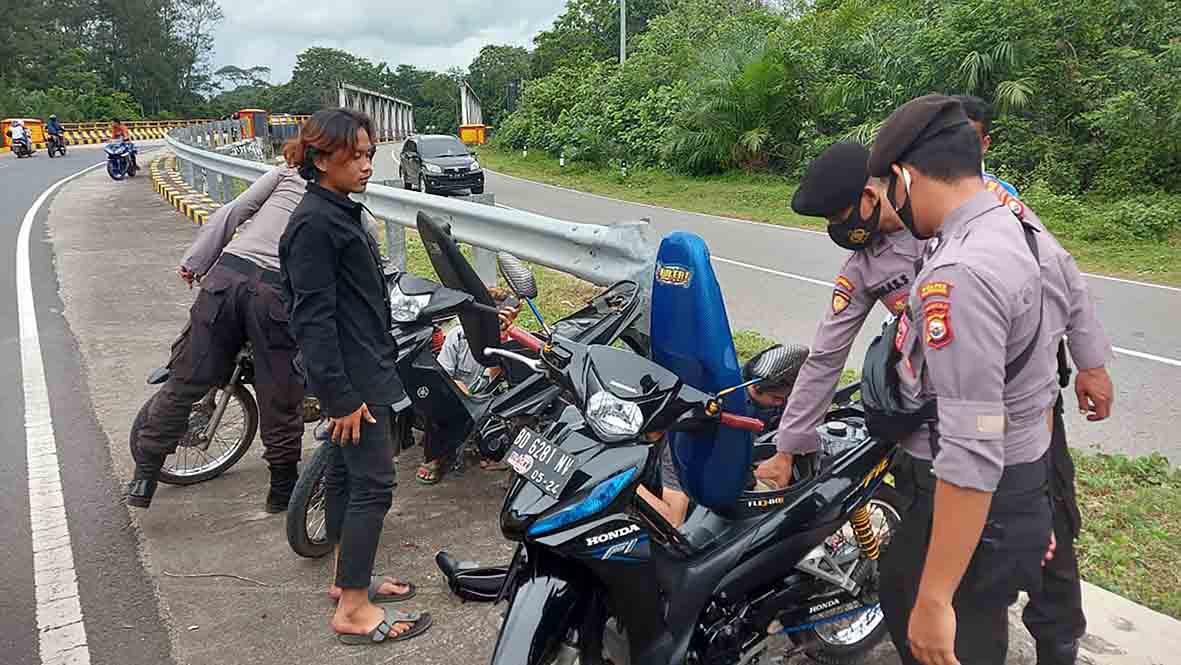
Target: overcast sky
432,34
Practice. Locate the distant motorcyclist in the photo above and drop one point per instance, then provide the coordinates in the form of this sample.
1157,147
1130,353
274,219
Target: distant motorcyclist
119,130
53,127
19,134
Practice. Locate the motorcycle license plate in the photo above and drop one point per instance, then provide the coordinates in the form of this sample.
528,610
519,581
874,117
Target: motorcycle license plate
540,462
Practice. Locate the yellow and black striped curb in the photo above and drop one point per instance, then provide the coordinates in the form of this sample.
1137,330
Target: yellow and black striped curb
169,184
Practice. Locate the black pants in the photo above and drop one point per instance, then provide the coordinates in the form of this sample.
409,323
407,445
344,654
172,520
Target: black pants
1007,560
1054,616
232,308
358,492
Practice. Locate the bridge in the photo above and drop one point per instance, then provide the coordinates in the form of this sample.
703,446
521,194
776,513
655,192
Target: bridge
205,577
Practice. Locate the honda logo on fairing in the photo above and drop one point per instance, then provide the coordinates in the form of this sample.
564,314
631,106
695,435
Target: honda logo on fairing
611,535
824,606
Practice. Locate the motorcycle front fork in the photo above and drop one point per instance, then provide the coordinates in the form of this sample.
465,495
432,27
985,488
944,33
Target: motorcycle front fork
219,402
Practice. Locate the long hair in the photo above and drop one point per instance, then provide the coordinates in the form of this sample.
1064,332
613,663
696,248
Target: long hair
328,132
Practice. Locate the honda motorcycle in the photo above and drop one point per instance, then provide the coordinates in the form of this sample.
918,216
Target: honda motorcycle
121,159
55,145
599,576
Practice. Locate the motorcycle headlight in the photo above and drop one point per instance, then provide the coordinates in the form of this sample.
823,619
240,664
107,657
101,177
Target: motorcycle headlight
404,308
433,168
613,419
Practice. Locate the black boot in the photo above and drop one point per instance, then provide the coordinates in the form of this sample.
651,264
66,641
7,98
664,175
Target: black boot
282,483
1059,653
143,483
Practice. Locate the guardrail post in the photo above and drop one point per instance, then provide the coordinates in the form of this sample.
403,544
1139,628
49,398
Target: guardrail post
395,236
484,258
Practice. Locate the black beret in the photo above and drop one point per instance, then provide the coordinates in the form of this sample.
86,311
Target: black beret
833,181
911,125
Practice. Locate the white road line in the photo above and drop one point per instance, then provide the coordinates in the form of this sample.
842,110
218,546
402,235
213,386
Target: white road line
1133,282
1117,349
62,633
773,272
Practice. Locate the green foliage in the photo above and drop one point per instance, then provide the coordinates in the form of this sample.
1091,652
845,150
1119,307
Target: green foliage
491,74
1153,216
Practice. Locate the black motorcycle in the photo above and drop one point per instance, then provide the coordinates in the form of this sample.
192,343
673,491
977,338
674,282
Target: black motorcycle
490,417
600,577
55,145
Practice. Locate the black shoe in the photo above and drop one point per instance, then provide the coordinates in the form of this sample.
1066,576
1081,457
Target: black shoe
140,492
282,484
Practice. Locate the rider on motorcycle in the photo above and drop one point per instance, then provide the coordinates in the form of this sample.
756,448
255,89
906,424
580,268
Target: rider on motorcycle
53,127
767,399
19,134
237,253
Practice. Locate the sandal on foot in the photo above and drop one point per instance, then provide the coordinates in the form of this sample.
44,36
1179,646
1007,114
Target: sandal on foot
375,595
429,473
384,632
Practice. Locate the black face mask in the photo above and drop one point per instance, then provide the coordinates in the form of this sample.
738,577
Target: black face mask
905,213
855,233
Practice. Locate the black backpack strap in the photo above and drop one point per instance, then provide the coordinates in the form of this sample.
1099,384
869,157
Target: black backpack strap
1017,364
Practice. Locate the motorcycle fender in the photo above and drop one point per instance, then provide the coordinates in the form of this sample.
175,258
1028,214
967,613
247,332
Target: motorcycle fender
543,609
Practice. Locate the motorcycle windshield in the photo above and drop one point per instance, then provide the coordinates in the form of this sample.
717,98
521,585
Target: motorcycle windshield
691,337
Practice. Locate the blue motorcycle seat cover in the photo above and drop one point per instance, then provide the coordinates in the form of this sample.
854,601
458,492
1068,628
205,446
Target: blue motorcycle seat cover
691,337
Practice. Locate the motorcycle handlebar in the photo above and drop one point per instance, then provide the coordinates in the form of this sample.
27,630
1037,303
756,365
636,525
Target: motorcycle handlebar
741,422
525,338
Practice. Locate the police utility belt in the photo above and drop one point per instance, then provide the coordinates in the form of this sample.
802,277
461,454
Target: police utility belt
887,416
250,269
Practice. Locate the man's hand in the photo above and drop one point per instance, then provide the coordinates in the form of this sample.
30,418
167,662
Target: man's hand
187,275
348,429
507,315
1095,393
1050,550
775,471
932,632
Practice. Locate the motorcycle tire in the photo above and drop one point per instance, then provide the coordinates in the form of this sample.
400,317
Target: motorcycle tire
132,170
171,474
820,645
115,172
307,504
51,152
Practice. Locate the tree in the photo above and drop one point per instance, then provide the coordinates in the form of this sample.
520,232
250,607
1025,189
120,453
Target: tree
491,74
589,30
316,76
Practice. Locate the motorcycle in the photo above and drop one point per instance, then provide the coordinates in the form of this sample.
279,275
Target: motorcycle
121,162
599,576
55,145
22,148
222,425
491,416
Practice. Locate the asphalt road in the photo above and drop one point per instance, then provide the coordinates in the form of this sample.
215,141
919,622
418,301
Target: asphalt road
118,604
778,281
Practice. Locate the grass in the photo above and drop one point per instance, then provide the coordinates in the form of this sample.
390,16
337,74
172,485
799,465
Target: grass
1131,527
762,197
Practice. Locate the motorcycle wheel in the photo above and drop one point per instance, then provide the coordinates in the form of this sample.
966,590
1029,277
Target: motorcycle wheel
849,641
192,464
51,151
132,170
306,528
116,169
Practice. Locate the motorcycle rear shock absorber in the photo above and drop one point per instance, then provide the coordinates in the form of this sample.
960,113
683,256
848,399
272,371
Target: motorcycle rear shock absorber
867,540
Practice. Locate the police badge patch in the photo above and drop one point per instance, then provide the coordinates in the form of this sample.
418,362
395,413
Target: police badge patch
840,301
938,324
858,236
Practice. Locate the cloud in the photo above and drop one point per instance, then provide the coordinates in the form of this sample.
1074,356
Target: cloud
436,34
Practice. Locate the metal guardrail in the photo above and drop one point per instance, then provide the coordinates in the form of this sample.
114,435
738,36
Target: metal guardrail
599,254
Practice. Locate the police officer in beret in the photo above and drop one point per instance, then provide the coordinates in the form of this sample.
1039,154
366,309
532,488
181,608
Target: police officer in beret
1054,616
974,343
838,188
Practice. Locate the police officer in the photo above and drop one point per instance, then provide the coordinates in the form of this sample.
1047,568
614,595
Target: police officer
1054,616
236,255
838,188
972,342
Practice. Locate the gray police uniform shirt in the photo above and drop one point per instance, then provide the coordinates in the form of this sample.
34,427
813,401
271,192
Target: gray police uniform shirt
258,216
973,309
251,225
883,273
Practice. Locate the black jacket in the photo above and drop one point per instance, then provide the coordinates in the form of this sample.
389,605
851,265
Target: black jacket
340,310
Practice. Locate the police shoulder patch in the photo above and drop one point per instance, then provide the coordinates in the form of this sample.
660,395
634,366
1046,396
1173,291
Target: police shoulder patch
931,289
845,283
937,324
840,302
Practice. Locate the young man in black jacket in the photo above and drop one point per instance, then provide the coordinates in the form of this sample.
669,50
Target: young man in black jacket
340,316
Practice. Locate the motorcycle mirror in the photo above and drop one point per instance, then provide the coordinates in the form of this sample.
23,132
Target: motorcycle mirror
517,274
